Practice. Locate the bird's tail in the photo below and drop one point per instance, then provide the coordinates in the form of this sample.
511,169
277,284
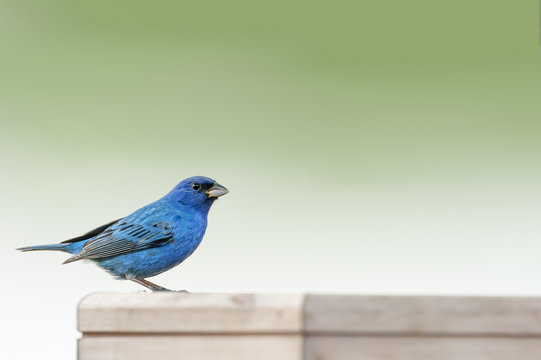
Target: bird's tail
55,247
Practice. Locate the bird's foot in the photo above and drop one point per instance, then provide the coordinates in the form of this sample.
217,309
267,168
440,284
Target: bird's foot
150,285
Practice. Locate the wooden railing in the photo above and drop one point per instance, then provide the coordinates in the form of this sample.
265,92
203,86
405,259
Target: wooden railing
163,326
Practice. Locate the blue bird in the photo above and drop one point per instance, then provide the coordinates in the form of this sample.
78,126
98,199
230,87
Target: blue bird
151,240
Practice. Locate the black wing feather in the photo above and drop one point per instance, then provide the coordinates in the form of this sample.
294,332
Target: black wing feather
91,233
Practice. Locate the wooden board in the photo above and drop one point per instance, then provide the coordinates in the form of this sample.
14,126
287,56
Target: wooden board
421,348
191,313
434,315
191,347
308,327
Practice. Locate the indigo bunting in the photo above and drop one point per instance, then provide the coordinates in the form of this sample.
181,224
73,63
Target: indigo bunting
151,240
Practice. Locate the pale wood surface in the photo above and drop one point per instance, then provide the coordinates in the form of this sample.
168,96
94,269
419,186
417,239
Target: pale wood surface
191,313
191,347
421,348
308,327
355,314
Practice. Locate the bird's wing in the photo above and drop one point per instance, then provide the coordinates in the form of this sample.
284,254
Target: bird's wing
122,238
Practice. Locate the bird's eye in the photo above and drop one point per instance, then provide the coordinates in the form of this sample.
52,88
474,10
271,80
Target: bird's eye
196,186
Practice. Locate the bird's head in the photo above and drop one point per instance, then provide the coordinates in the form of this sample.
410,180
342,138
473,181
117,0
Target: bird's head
198,192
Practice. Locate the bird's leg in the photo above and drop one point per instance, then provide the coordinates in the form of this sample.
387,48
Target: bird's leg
150,285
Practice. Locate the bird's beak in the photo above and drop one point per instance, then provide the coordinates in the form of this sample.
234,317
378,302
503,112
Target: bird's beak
216,190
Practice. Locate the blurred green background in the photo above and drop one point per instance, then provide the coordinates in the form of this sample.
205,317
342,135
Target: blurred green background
380,147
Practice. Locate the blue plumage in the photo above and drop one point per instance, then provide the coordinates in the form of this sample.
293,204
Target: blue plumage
151,240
